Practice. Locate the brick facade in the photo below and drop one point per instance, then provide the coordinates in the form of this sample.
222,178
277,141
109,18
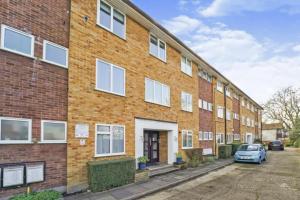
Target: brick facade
206,117
33,89
236,109
88,42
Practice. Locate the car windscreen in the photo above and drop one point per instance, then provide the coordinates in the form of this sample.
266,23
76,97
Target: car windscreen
276,142
248,148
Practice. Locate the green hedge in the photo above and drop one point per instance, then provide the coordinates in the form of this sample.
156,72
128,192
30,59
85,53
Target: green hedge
45,195
235,146
108,174
225,151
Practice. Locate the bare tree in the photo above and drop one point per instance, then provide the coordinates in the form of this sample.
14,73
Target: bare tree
284,106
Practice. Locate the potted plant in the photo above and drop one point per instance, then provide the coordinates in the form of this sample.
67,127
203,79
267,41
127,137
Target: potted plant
142,162
178,157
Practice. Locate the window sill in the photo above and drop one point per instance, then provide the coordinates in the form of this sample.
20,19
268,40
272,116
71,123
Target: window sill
18,53
53,63
17,142
53,142
108,92
165,61
187,148
187,111
189,75
167,106
103,27
109,155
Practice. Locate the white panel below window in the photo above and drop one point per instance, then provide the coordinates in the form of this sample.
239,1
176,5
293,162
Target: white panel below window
34,173
13,176
207,151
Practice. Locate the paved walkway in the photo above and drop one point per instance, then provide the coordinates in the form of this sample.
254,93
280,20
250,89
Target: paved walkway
155,184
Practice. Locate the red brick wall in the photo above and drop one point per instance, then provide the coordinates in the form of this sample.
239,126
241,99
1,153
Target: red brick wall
236,109
33,89
205,117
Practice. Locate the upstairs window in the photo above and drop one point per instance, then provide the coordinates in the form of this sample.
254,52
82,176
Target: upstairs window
157,48
110,78
186,66
220,86
228,115
54,132
227,91
220,112
156,92
111,19
186,102
17,41
205,76
55,54
15,130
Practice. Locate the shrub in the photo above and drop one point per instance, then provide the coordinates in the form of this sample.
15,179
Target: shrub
143,159
225,151
194,156
297,143
107,174
45,195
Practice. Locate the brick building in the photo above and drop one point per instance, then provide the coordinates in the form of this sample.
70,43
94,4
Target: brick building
33,95
109,83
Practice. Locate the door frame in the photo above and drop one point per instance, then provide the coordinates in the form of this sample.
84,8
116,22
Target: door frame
150,150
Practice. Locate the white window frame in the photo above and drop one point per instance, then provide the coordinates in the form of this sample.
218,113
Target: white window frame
200,135
54,122
219,108
230,138
183,68
187,107
228,115
3,28
111,78
200,103
188,132
227,92
210,107
220,87
45,43
211,136
111,18
17,141
236,136
162,84
222,137
158,50
110,140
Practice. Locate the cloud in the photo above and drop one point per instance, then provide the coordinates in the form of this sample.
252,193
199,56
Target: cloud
182,24
246,61
227,7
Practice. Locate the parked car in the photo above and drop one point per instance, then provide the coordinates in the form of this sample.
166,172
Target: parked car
276,145
254,153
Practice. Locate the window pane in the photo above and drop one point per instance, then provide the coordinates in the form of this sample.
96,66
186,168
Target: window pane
119,24
103,144
183,61
118,139
103,76
149,93
189,103
103,129
14,130
189,67
54,131
184,139
190,140
17,42
162,50
166,95
56,54
158,93
105,15
153,45
118,81
183,101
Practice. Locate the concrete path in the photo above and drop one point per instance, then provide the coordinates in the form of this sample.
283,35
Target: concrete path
276,179
155,184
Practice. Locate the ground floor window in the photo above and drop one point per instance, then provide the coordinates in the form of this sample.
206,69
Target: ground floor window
230,138
205,135
54,131
187,139
220,138
110,140
236,136
15,130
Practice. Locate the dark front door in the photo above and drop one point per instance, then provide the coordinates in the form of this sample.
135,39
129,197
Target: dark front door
151,146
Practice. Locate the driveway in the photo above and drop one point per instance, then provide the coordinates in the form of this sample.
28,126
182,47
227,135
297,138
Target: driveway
278,178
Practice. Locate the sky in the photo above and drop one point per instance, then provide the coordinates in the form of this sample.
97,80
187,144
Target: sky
254,43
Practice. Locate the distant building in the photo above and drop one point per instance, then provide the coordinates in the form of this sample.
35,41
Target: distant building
274,131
